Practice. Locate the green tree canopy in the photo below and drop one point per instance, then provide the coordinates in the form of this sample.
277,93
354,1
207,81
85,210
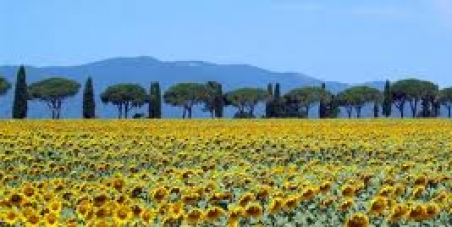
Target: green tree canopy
302,99
4,86
125,97
53,92
185,95
356,97
412,91
212,98
246,99
445,98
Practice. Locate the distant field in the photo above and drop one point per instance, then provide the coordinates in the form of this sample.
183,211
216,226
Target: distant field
226,172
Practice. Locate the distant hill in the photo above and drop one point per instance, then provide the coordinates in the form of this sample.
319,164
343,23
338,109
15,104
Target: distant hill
144,70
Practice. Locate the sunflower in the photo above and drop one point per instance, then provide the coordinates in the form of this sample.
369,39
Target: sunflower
177,210
290,203
51,219
122,214
417,212
346,204
16,199
432,210
378,205
55,206
253,210
194,216
398,211
159,194
308,194
28,190
348,191
246,198
417,192
191,198
357,220
10,216
213,213
325,186
325,203
275,205
235,213
147,216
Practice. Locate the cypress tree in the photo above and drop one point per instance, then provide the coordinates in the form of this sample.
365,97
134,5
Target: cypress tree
269,103
387,99
155,101
89,105
277,102
323,105
20,103
219,102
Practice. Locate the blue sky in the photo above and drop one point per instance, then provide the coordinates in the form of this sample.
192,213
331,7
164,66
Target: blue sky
347,40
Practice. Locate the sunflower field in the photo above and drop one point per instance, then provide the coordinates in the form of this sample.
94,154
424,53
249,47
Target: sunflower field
226,173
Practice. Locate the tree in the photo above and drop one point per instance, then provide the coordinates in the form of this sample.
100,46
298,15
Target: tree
89,104
53,92
269,104
302,99
125,97
212,98
185,95
219,102
20,103
412,91
4,86
356,97
155,101
323,104
376,110
387,99
246,99
445,98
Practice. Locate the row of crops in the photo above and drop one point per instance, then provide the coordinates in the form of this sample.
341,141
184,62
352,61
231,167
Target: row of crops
226,173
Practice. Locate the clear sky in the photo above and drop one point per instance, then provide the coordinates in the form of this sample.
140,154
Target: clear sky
346,40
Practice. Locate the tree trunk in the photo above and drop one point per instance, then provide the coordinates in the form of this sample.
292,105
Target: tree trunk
349,111
358,112
119,111
413,105
189,112
449,111
184,113
307,111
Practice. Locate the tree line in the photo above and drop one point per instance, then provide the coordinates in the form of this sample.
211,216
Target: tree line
424,98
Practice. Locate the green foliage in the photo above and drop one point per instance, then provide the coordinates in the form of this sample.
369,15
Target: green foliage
412,91
212,98
246,99
125,97
185,95
89,104
20,103
4,86
53,91
445,99
387,99
356,97
269,104
155,101
219,102
302,99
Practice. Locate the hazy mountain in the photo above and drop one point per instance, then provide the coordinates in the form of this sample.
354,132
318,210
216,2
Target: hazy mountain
144,70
